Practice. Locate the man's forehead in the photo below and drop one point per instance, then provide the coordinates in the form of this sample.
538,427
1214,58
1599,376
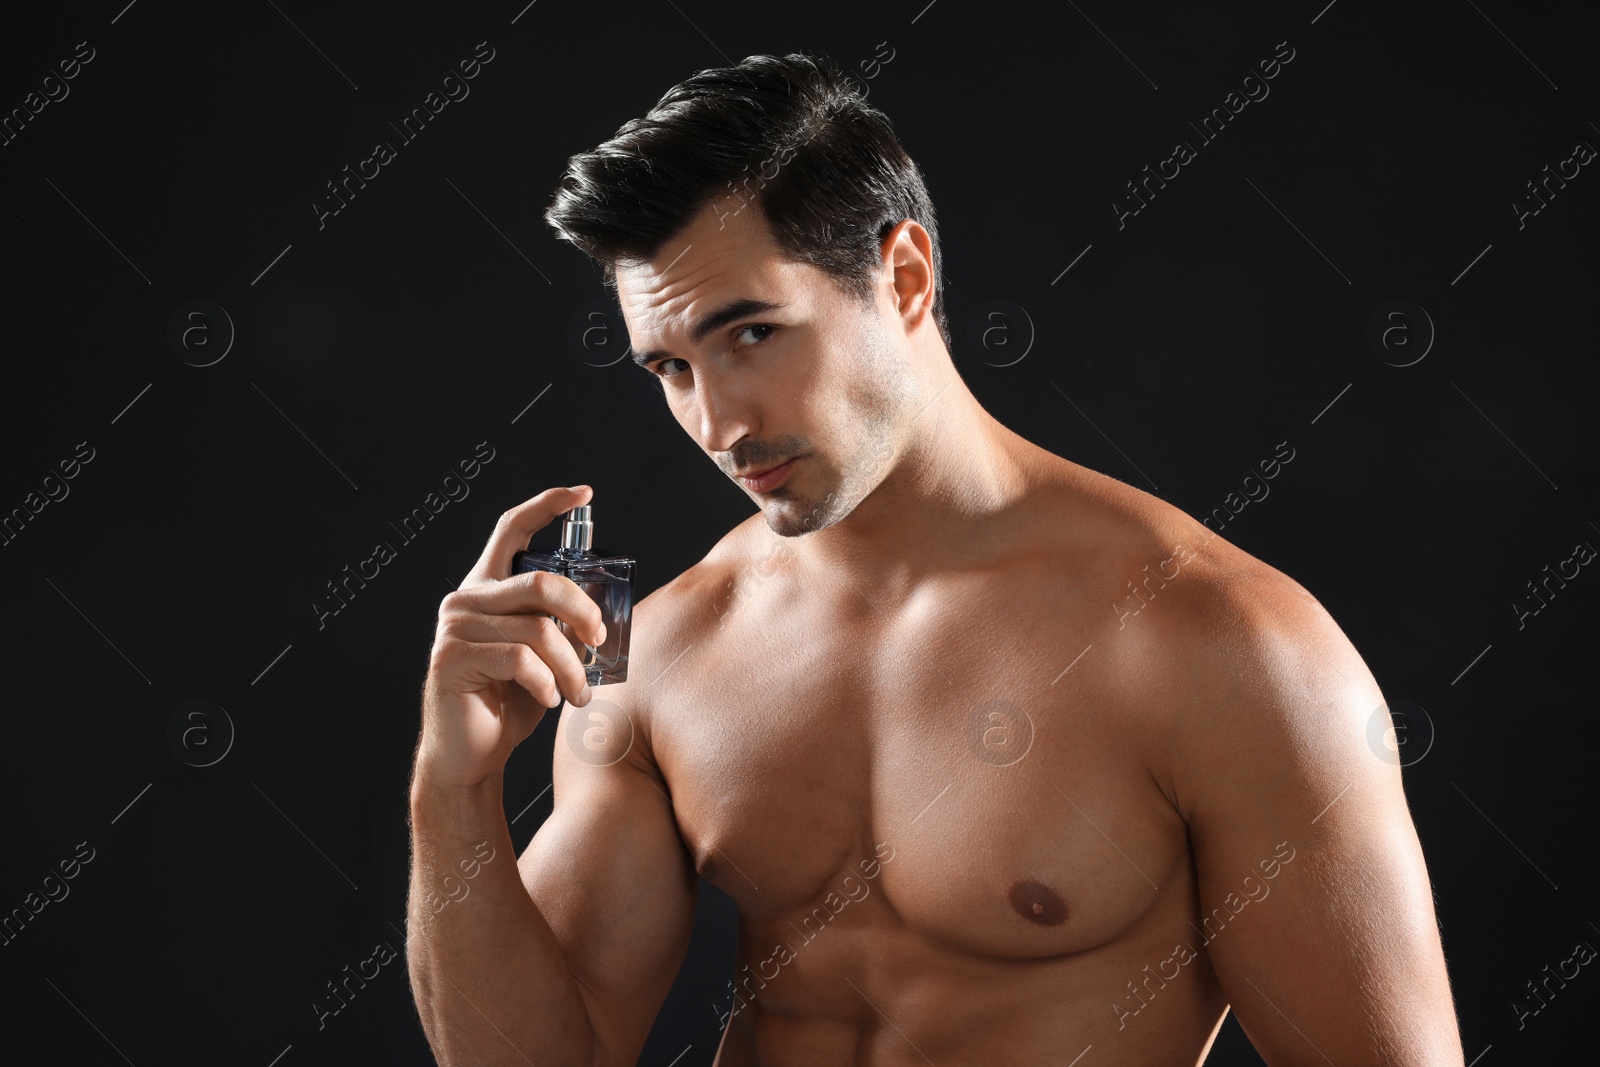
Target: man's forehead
723,252
652,296
691,298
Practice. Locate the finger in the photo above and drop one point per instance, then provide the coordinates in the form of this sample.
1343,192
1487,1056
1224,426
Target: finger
516,526
508,661
537,632
537,593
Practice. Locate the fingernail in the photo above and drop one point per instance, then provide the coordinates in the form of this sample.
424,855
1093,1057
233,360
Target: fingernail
576,488
585,696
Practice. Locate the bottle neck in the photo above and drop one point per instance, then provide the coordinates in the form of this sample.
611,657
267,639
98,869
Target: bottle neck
577,536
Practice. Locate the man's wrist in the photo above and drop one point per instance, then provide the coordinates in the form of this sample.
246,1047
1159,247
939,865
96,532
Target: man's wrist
434,787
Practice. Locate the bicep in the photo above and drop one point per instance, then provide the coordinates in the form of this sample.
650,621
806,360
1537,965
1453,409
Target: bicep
610,875
1316,909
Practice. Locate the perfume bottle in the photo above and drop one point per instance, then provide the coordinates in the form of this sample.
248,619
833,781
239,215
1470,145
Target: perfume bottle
608,581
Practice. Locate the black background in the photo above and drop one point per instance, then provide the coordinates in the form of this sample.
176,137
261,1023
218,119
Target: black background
376,352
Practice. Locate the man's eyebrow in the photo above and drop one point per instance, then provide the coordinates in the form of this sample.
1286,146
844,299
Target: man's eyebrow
733,309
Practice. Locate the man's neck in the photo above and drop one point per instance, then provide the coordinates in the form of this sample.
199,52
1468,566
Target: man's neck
959,469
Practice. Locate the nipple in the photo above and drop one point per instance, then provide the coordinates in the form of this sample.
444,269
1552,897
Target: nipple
1038,903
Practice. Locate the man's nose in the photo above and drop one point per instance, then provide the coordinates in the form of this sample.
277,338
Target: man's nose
727,413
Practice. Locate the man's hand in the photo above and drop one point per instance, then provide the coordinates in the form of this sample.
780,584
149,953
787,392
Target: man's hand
498,663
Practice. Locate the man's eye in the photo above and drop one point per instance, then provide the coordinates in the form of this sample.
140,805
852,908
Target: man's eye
756,326
659,368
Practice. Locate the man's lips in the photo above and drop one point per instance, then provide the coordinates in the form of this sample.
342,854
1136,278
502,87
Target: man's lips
764,480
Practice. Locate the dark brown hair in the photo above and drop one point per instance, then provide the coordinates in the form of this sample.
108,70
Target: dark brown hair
791,134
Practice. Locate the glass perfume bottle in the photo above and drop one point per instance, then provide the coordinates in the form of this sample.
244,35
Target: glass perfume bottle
608,581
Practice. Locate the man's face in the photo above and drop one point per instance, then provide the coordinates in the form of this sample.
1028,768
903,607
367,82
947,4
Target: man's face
822,378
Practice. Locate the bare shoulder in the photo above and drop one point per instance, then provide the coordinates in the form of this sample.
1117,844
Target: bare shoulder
690,601
1258,669
672,620
1263,652
1164,562
1189,581
1215,640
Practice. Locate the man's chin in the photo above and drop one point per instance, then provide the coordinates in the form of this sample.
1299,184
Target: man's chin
784,518
789,515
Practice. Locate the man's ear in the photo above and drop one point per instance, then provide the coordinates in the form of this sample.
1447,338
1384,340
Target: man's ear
908,260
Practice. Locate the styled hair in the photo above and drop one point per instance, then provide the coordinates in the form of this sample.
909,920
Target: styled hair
791,135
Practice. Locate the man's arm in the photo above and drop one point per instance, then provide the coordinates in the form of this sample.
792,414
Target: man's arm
1315,903
610,874
561,958
564,956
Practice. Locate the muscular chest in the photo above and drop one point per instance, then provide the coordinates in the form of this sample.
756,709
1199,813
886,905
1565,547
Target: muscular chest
936,765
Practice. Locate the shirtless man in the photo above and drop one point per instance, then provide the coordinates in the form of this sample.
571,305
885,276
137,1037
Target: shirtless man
1003,760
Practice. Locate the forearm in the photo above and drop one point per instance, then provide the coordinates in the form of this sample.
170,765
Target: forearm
489,978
